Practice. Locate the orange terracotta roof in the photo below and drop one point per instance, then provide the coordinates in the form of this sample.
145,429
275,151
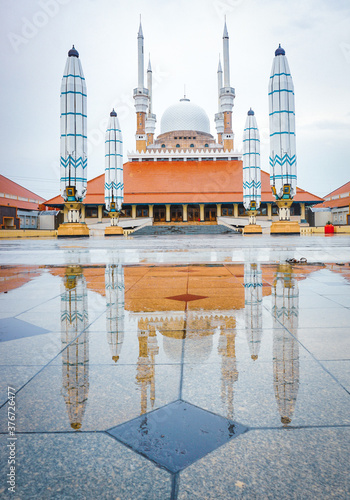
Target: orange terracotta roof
338,203
14,195
183,182
345,188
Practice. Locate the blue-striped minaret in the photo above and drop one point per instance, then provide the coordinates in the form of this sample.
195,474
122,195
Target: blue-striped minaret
114,184
283,171
251,172
73,133
251,164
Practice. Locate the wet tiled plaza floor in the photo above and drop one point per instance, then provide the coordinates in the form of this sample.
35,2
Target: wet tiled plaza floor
176,368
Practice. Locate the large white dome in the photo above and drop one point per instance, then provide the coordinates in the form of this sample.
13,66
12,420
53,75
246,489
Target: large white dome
184,116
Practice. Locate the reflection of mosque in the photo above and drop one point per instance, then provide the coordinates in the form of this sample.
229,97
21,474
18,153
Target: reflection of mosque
196,327
285,344
115,291
229,373
75,358
145,377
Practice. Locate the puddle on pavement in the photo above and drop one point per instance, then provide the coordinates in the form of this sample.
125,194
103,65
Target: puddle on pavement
173,315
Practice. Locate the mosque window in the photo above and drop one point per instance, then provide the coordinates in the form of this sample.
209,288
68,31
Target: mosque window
177,145
194,138
163,145
175,137
191,145
206,145
186,137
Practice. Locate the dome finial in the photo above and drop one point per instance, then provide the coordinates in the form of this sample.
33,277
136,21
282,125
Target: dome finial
280,51
73,52
184,97
250,112
113,113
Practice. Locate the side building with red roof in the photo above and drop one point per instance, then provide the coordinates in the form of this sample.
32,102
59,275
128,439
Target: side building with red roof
19,207
335,208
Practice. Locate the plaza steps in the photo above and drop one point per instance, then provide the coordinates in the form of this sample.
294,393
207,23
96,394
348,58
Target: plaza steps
167,230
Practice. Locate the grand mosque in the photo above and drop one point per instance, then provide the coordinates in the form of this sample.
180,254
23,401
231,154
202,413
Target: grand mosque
184,174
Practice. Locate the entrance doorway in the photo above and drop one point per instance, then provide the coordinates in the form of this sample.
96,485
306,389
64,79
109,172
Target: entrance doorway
159,213
176,213
210,213
193,213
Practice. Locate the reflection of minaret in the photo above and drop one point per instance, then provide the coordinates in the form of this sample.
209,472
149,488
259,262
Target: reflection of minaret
114,280
253,307
75,357
285,345
148,349
229,373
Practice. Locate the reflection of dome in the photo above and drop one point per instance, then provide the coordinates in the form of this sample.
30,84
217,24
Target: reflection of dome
184,116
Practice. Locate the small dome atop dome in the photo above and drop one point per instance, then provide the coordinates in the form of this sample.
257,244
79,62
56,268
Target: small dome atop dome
113,113
73,52
250,112
184,116
280,51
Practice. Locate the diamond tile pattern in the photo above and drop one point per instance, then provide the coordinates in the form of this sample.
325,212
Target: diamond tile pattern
177,435
187,297
13,328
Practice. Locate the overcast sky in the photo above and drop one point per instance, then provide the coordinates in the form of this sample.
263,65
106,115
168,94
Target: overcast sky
184,38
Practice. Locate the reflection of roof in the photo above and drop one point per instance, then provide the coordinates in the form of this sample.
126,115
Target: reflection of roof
183,182
184,115
16,276
14,195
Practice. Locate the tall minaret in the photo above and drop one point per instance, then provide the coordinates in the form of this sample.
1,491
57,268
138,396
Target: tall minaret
151,118
227,95
141,98
114,186
283,170
73,136
251,168
219,116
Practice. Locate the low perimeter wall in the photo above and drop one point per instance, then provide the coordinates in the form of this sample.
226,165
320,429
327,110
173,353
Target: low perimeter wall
320,230
28,233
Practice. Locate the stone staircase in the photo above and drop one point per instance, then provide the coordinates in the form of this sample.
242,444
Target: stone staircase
183,230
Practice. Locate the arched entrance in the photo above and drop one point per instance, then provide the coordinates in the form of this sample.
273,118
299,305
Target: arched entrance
159,213
193,214
176,213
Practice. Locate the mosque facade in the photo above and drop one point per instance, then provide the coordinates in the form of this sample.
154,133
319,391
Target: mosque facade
185,174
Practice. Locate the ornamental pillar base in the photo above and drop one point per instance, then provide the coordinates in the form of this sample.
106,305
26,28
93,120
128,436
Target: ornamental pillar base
285,227
73,230
252,229
114,231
